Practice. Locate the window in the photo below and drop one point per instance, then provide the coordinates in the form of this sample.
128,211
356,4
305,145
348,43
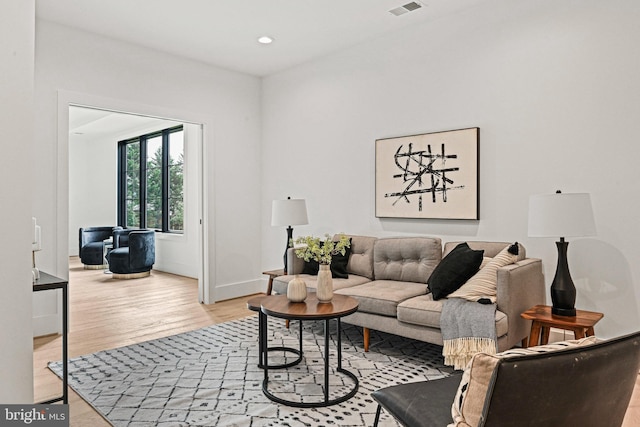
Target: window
150,181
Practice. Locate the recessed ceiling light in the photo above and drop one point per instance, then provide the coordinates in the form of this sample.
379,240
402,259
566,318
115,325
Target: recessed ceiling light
265,40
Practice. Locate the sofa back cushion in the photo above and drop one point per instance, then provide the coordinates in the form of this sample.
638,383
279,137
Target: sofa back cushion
490,249
361,257
407,259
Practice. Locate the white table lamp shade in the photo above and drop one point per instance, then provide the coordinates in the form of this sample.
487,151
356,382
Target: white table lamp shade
289,212
561,215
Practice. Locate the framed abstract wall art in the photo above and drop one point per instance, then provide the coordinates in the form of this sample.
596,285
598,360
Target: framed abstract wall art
432,175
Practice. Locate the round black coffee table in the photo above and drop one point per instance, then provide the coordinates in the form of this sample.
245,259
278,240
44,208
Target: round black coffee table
310,309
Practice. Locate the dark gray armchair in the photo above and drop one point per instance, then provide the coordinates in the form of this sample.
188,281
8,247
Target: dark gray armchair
91,245
587,386
133,254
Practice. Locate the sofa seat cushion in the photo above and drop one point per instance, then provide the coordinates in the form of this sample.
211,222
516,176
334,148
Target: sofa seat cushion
280,283
424,311
383,296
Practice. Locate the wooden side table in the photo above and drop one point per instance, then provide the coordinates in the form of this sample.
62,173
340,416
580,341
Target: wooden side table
272,275
542,320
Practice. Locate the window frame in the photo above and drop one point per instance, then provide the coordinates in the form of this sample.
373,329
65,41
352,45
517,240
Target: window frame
142,190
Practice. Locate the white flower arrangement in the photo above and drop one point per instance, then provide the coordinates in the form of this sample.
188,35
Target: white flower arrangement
312,248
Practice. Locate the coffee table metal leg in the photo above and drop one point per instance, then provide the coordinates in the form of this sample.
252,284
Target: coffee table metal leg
264,349
264,361
326,401
326,361
339,344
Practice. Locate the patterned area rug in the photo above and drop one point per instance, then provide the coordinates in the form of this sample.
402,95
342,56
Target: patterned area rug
210,377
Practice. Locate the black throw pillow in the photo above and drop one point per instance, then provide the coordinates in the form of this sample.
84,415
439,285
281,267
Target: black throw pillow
311,267
454,270
339,264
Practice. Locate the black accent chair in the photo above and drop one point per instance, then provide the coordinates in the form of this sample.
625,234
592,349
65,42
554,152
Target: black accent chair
133,253
91,245
588,386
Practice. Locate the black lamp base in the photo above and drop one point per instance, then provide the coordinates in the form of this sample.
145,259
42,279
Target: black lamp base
289,245
563,291
569,312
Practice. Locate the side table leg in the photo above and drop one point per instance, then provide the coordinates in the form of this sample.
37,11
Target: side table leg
590,331
545,335
578,333
270,285
534,337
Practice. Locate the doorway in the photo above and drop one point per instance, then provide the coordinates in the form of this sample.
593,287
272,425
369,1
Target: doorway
79,116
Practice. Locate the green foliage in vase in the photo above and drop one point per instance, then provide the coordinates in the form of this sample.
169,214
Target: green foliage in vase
313,248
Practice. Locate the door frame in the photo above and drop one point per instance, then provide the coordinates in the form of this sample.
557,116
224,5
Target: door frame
67,99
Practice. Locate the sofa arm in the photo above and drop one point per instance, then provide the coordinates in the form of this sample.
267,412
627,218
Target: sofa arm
295,265
520,287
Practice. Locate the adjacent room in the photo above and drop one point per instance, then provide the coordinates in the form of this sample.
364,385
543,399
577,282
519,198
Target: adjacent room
334,213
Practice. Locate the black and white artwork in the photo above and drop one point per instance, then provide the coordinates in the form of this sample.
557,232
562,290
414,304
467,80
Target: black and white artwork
432,175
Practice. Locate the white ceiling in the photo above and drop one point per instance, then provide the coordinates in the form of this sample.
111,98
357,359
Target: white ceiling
225,32
91,124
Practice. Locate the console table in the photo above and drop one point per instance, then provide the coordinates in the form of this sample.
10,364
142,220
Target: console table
47,282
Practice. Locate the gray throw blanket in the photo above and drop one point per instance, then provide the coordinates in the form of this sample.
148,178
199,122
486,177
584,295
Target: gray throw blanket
467,328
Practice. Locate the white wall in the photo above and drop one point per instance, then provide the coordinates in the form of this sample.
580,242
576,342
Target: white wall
16,121
553,87
92,185
70,62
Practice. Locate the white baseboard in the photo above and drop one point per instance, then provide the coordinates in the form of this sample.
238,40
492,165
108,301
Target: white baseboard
176,268
240,289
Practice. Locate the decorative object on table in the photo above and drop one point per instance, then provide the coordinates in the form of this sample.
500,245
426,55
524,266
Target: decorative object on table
567,215
36,245
432,175
312,248
297,290
324,291
287,213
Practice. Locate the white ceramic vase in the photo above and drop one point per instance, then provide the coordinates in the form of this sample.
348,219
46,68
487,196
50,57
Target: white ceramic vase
297,290
325,284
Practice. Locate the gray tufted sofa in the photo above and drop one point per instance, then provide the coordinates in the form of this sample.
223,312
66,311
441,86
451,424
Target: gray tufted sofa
388,276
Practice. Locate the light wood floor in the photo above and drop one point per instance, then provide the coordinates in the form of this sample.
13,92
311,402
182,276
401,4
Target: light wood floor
107,313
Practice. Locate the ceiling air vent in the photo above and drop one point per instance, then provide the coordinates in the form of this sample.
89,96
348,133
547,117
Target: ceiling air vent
409,7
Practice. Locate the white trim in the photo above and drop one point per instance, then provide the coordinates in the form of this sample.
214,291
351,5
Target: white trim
206,290
240,289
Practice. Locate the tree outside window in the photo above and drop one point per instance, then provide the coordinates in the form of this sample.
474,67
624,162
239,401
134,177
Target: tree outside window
151,181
